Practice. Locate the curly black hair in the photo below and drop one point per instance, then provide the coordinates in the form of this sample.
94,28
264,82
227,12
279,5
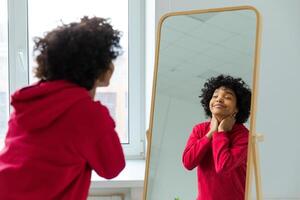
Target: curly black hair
79,52
237,85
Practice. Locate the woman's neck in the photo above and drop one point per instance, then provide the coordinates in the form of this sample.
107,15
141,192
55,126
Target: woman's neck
220,117
93,92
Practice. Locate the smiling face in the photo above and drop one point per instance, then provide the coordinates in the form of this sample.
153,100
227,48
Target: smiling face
223,103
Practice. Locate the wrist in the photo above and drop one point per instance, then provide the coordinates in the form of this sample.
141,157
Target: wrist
209,134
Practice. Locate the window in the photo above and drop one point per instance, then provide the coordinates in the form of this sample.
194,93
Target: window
124,97
3,71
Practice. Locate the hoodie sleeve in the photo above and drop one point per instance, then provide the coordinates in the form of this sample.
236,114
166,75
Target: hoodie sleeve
230,154
196,147
98,142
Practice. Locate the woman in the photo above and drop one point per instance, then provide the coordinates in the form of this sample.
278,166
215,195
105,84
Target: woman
57,133
218,148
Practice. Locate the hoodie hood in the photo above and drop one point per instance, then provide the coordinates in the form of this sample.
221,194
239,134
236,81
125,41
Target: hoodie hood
39,105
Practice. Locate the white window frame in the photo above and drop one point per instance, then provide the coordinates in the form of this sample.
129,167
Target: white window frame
4,3
19,56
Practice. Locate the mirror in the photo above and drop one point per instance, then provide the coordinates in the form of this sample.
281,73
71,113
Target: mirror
193,47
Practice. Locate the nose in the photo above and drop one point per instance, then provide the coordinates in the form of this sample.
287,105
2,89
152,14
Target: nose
220,99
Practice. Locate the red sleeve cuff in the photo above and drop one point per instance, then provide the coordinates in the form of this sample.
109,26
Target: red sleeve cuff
220,135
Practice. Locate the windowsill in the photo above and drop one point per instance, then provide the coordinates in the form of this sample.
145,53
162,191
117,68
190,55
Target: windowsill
132,176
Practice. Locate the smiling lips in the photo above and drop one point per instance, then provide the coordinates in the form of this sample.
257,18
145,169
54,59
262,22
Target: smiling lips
218,106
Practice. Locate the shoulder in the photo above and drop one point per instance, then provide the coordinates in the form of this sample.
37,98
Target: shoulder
89,110
240,131
201,128
87,105
202,125
241,128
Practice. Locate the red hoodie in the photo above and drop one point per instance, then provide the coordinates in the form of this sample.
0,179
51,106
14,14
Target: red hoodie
57,134
221,162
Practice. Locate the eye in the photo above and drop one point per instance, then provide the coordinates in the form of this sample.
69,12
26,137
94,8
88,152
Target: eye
228,97
215,96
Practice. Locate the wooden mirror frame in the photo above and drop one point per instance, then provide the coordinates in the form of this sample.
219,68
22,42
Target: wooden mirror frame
253,156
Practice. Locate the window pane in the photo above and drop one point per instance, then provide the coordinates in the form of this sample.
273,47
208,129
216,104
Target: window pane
42,20
3,71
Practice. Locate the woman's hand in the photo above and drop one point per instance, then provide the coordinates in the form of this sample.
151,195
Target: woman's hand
226,124
213,126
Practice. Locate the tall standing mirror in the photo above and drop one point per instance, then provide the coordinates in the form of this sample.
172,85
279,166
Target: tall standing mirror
193,47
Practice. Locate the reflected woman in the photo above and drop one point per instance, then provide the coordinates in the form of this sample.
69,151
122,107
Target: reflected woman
218,147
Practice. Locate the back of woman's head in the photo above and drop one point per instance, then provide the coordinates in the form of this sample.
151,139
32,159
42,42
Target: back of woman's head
78,52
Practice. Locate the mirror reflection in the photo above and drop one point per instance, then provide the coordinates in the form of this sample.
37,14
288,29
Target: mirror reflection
202,102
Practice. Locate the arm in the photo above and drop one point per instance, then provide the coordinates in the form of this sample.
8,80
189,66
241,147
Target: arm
100,145
195,149
228,155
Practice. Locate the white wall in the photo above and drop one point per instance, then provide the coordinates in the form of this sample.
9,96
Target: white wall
278,95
